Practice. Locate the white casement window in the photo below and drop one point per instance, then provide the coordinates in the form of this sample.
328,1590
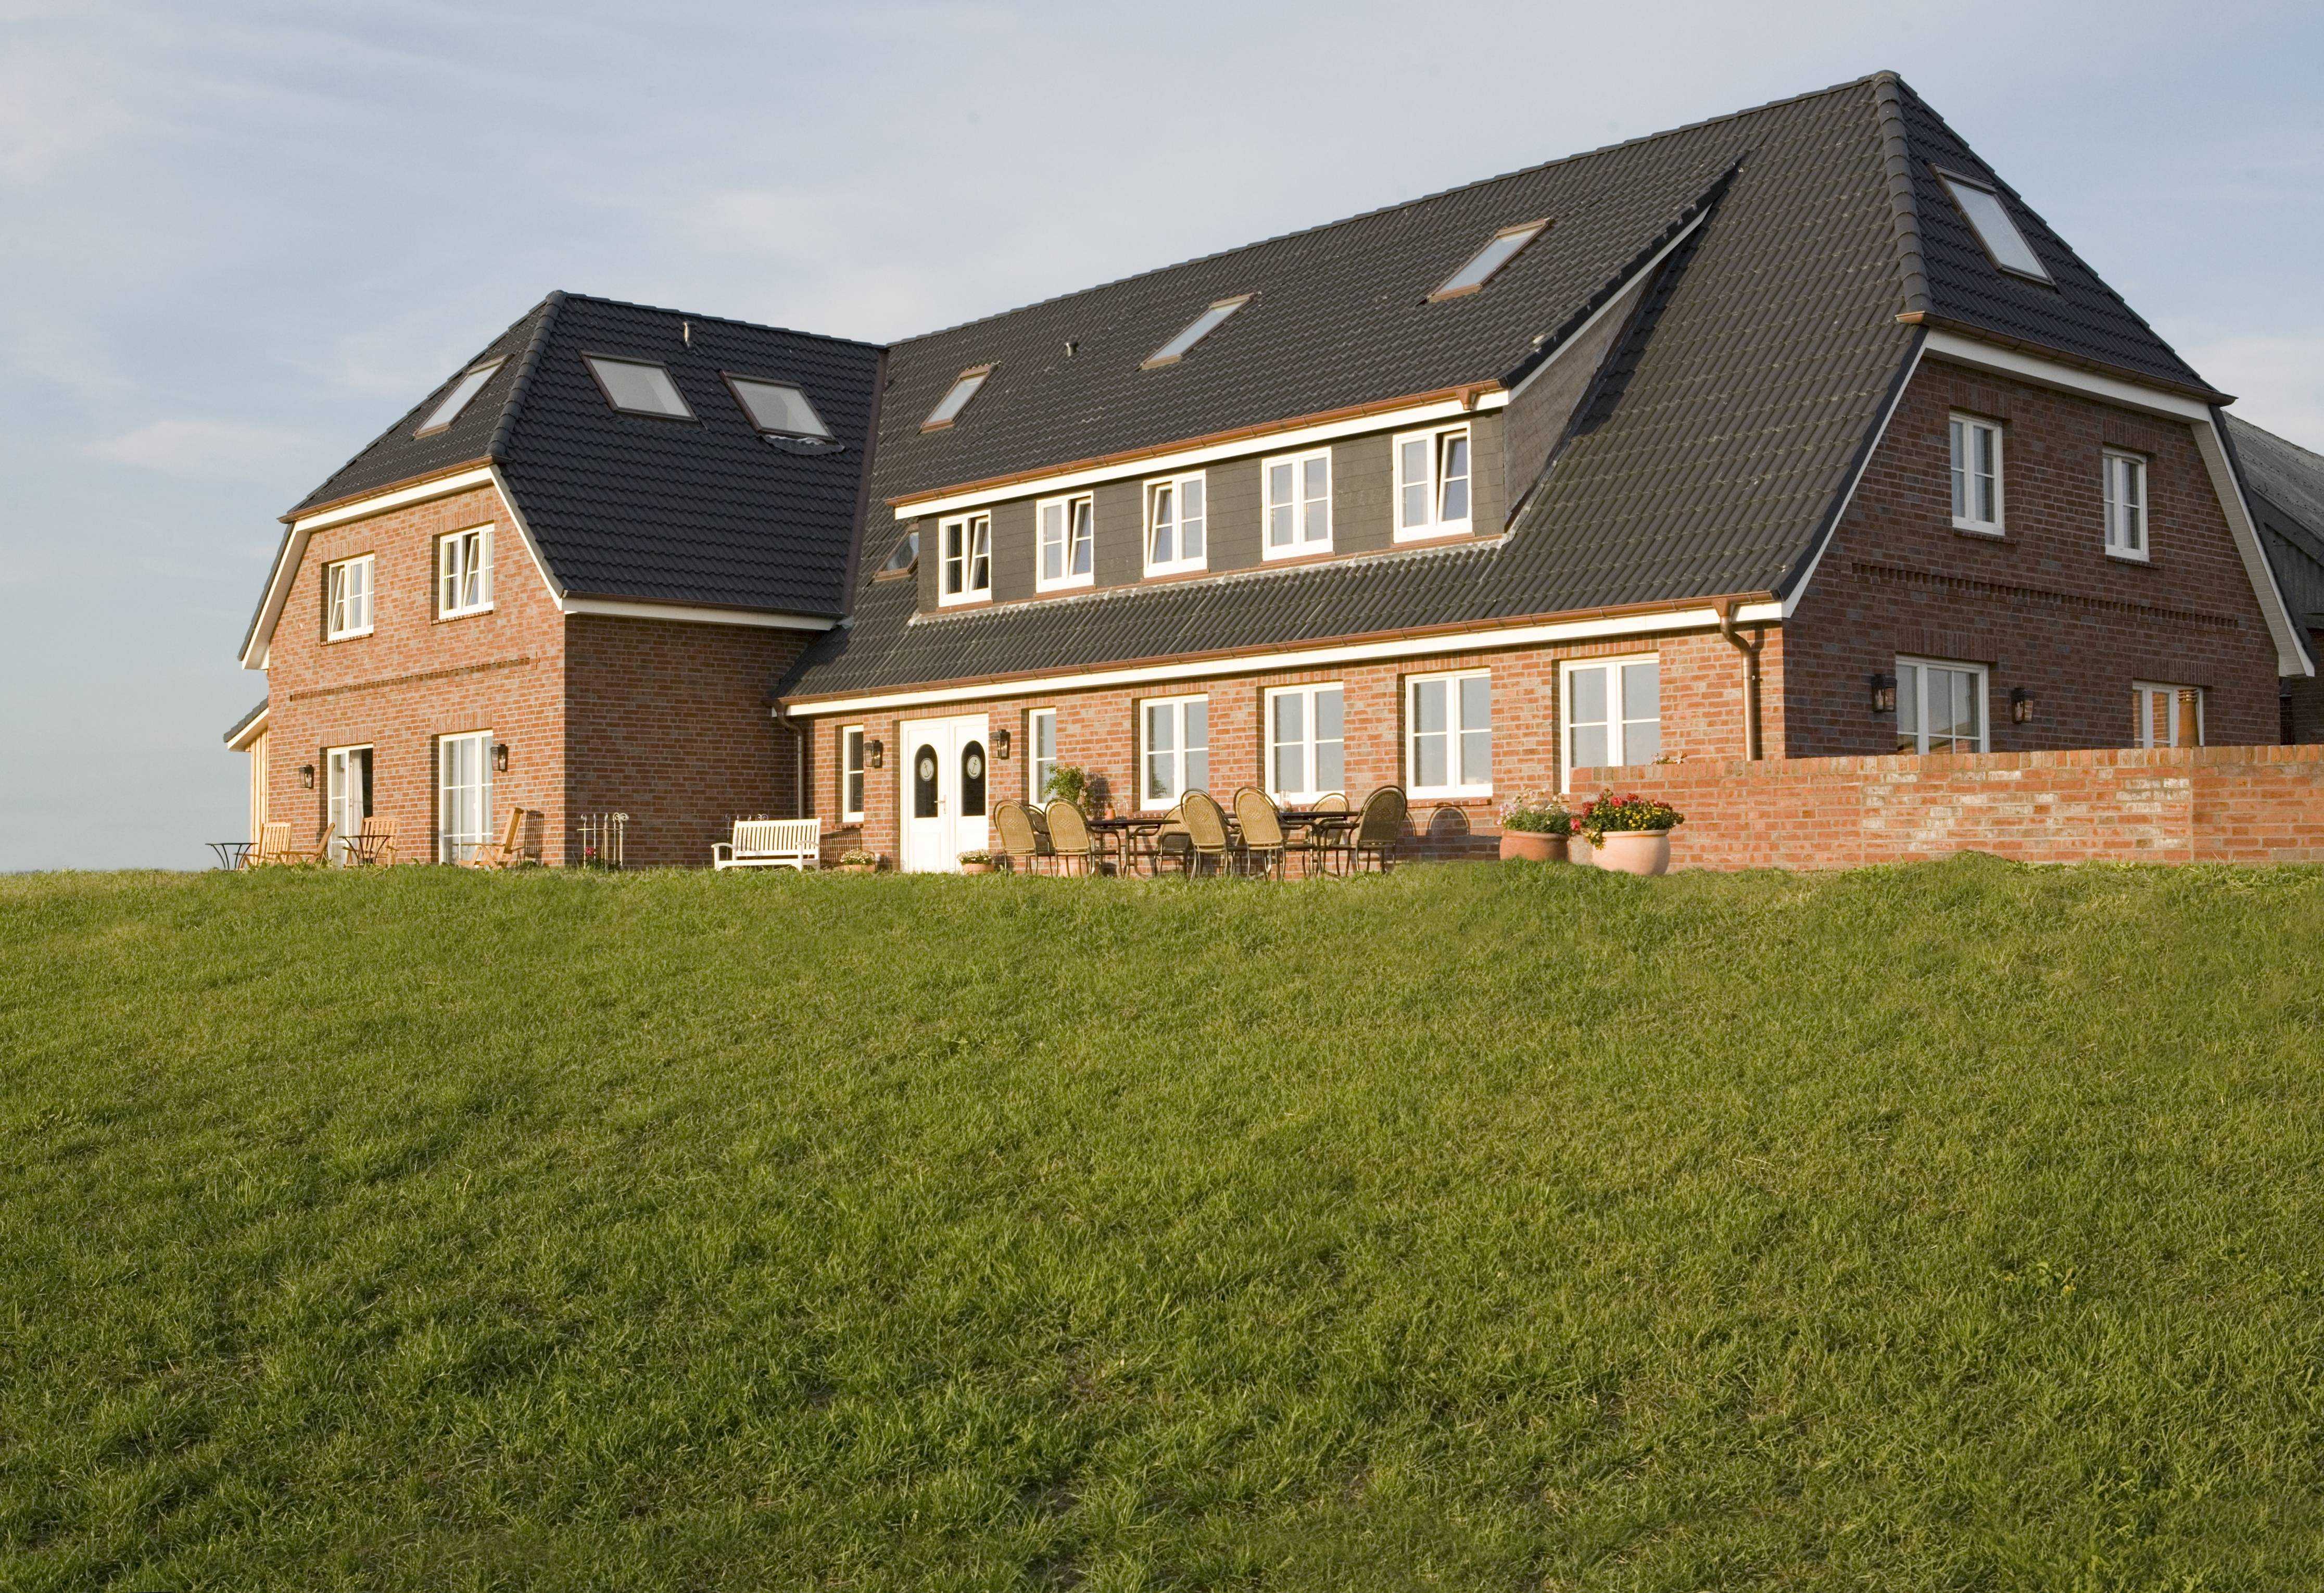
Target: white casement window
1976,476
1040,752
1940,706
464,795
1068,545
964,573
2125,505
463,572
1307,742
1299,489
1448,735
2168,715
347,598
851,774
1174,750
1613,714
1176,529
1432,483
347,791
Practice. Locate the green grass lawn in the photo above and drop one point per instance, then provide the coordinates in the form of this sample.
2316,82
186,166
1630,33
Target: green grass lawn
1952,1226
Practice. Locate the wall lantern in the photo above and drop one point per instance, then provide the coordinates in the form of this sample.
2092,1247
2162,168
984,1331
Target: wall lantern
306,777
500,758
875,755
1000,744
1884,694
2021,707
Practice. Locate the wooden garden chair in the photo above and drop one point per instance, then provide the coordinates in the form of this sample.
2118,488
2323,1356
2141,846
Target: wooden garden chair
506,852
374,842
273,848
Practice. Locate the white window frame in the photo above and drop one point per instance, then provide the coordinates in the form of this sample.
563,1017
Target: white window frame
2119,542
1177,753
1070,541
1437,441
1298,547
1455,730
1921,707
449,579
1960,431
458,845
1308,740
335,599
1176,485
339,793
851,774
2142,690
1037,766
1616,734
977,528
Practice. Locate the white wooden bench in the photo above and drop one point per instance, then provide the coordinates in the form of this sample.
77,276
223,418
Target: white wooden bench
771,843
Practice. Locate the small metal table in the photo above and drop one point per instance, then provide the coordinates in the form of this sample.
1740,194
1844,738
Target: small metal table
1121,834
361,851
230,854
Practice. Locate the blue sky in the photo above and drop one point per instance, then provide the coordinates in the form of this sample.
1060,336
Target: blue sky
244,238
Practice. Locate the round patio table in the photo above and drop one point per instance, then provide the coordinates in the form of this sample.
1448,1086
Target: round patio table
230,854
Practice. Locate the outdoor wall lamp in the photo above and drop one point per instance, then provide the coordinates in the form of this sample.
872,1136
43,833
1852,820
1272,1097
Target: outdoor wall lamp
875,755
1000,744
500,758
306,777
1884,694
2021,707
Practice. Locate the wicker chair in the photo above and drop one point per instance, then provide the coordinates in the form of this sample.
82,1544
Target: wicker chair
1379,827
1207,831
1020,843
1261,824
1069,841
1169,841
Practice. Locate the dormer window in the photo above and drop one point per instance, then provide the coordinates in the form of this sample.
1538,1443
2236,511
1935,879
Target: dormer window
1066,543
963,389
465,388
1499,251
1200,327
779,408
637,387
1991,219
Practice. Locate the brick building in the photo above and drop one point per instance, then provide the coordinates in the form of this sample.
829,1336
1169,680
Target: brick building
1792,433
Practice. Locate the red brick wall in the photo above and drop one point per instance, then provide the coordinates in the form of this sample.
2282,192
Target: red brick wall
1702,718
2225,804
2043,604
417,677
672,723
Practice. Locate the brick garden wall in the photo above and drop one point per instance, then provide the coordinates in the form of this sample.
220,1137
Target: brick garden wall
2216,804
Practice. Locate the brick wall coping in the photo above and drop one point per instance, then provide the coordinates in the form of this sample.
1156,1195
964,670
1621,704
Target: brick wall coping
1588,780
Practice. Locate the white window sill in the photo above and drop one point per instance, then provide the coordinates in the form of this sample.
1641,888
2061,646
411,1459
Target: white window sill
464,613
1181,567
848,820
962,599
1429,533
1072,583
347,635
1980,528
2128,557
1298,550
1451,793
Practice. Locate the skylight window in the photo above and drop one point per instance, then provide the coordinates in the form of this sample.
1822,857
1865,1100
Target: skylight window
1497,252
963,388
778,406
1200,327
463,390
907,554
1995,229
637,387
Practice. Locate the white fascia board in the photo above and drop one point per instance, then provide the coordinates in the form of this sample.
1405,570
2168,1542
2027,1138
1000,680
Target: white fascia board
694,614
250,733
1880,434
524,535
1618,296
1161,464
1546,633
2290,657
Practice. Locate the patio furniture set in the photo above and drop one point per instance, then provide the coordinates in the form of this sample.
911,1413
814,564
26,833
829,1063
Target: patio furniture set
372,845
1199,836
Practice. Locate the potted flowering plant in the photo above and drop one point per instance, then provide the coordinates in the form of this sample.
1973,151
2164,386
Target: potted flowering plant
1069,781
1629,834
859,861
976,862
1534,828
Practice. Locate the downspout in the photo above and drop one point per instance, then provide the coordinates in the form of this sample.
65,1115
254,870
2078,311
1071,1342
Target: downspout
799,734
1750,651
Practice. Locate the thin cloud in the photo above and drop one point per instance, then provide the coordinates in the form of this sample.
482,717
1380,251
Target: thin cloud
208,451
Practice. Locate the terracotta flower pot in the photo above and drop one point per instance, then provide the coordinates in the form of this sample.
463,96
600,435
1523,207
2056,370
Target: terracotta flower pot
976,868
1532,847
855,868
1643,852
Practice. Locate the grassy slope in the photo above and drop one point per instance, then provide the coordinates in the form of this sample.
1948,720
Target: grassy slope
1952,1226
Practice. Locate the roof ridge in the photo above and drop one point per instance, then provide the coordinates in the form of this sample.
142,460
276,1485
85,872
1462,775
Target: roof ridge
527,363
1896,154
730,321
1441,193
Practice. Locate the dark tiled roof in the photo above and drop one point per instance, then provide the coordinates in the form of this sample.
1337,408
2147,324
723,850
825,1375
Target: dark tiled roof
699,511
2285,483
244,723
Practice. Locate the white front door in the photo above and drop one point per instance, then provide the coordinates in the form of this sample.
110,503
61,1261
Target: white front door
942,799
347,789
